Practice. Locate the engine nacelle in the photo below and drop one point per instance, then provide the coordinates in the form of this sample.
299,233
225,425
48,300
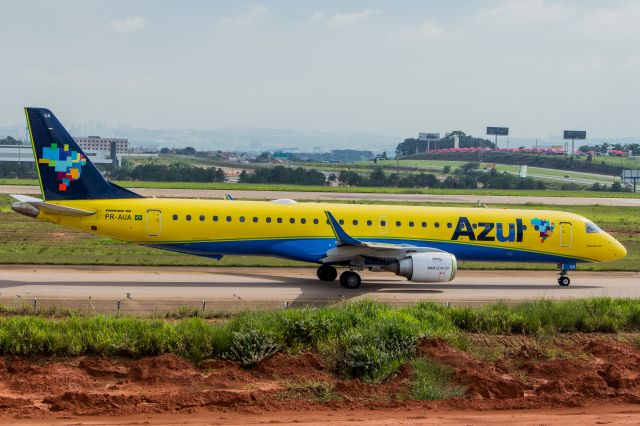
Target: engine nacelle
428,267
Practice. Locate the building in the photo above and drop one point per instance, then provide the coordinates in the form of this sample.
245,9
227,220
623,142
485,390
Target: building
96,143
96,148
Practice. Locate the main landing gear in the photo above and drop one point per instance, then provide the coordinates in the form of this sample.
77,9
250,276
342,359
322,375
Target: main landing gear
327,273
563,279
348,279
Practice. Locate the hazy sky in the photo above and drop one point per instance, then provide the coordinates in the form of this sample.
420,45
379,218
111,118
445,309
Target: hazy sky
393,67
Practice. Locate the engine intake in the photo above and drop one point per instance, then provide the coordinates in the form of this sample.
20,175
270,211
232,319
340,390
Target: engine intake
429,267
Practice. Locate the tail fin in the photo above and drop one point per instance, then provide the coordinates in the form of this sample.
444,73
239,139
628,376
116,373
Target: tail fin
65,172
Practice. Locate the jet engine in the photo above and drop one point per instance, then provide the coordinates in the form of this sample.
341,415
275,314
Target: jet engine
428,267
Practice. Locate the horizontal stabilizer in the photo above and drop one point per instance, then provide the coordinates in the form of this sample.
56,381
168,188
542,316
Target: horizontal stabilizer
31,206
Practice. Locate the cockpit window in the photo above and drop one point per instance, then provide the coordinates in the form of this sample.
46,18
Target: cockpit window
592,228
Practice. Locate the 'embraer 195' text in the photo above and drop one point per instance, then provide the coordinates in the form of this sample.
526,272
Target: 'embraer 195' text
489,231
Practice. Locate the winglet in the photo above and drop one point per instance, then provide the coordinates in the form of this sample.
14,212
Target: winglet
228,197
343,238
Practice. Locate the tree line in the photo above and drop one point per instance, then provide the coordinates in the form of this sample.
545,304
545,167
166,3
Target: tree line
468,177
176,172
281,174
413,146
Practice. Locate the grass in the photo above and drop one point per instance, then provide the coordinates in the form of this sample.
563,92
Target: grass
433,381
26,241
365,339
371,190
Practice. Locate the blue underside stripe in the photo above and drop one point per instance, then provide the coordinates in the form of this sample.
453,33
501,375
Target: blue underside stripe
314,249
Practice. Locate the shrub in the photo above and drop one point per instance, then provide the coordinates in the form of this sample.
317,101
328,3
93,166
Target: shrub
252,346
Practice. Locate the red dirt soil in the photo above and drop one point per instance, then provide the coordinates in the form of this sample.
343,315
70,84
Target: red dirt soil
593,374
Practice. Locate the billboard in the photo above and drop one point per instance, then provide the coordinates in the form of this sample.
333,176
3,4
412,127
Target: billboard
428,136
575,134
498,131
523,171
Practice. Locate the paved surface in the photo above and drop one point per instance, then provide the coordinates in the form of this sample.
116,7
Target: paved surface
349,196
160,288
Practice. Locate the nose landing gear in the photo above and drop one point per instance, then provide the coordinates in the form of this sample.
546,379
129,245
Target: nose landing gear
563,279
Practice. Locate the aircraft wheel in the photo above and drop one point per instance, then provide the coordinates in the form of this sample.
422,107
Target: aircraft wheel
350,280
564,281
327,273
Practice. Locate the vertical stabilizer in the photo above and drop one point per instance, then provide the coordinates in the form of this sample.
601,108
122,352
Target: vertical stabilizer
64,171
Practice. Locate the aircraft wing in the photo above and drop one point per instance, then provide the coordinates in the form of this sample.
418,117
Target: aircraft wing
355,252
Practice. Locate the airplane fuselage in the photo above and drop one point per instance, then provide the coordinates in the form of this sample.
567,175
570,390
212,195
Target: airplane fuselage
300,231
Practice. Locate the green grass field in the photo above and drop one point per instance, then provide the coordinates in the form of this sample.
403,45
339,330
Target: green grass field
27,241
230,187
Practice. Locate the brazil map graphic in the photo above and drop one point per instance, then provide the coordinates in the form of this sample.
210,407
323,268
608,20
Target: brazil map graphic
67,163
544,227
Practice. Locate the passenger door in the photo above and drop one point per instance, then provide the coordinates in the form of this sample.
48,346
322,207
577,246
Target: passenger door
565,234
154,223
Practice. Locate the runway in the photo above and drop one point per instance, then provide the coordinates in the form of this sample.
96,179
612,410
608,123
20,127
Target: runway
358,196
144,289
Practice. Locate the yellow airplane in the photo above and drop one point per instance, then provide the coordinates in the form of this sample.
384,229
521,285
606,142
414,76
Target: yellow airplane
422,244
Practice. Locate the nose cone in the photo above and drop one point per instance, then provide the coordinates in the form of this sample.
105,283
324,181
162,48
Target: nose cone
619,250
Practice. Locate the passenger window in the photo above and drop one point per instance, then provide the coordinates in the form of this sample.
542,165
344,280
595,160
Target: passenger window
398,224
410,224
215,218
175,217
201,218
437,224
369,223
424,224
449,225
355,222
241,218
341,221
383,223
303,221
268,220
279,220
255,219
188,217
315,221
228,218
292,220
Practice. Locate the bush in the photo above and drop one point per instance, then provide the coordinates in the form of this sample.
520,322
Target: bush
252,346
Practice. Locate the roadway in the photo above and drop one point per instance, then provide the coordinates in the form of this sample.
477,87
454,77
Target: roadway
160,288
358,196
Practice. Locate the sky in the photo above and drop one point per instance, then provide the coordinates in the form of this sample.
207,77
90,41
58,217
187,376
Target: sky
386,67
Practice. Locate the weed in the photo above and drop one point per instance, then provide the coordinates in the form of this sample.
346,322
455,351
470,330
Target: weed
433,381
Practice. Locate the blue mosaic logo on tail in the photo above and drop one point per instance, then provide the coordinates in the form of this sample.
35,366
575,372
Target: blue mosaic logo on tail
66,162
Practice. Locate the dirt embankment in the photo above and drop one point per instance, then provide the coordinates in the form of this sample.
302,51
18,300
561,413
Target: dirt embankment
497,372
